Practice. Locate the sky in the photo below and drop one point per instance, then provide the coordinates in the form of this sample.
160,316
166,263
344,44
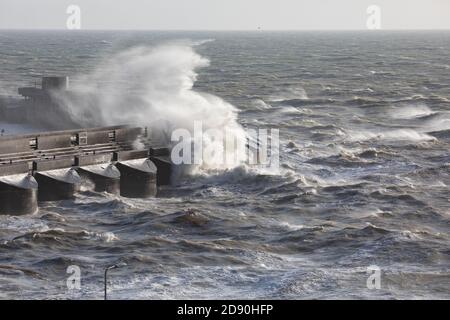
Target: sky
225,14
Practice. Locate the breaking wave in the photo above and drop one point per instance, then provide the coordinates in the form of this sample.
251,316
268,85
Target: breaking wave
411,111
152,87
391,135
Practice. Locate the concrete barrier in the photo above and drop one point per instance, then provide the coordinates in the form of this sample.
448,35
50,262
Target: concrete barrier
130,155
137,178
95,137
46,142
18,195
161,158
59,184
159,151
127,134
106,177
14,168
49,166
12,144
164,166
87,160
53,164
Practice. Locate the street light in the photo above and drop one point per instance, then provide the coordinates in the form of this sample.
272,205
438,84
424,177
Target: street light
115,266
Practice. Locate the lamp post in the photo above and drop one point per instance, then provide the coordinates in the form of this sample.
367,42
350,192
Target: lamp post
115,266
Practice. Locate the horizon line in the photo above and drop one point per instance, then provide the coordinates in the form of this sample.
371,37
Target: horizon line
224,30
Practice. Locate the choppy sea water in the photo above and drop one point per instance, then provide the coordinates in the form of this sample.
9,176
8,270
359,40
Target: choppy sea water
364,123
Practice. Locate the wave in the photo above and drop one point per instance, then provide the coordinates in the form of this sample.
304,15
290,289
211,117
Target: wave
202,42
260,104
363,101
22,223
410,101
390,135
397,198
28,272
289,93
410,111
290,109
437,124
154,87
304,102
243,175
342,160
62,237
440,134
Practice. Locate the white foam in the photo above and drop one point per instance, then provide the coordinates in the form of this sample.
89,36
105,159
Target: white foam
153,87
410,111
290,109
290,93
260,104
291,227
438,124
104,236
202,42
389,135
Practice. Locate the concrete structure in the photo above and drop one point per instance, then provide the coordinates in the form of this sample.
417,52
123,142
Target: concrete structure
42,106
51,166
55,83
138,178
105,177
161,158
18,195
57,185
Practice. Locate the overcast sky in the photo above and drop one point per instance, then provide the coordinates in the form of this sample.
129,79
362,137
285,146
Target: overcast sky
225,14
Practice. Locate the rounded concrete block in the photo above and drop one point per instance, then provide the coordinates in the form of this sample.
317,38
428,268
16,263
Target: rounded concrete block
164,166
58,184
18,195
106,177
137,178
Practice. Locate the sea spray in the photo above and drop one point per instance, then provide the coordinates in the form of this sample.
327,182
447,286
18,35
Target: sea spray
152,87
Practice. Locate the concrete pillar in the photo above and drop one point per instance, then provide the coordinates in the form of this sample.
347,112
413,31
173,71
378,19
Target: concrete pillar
106,177
59,184
161,158
137,178
18,195
164,166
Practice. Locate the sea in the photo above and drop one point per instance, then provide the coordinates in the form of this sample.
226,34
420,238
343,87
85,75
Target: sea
359,207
